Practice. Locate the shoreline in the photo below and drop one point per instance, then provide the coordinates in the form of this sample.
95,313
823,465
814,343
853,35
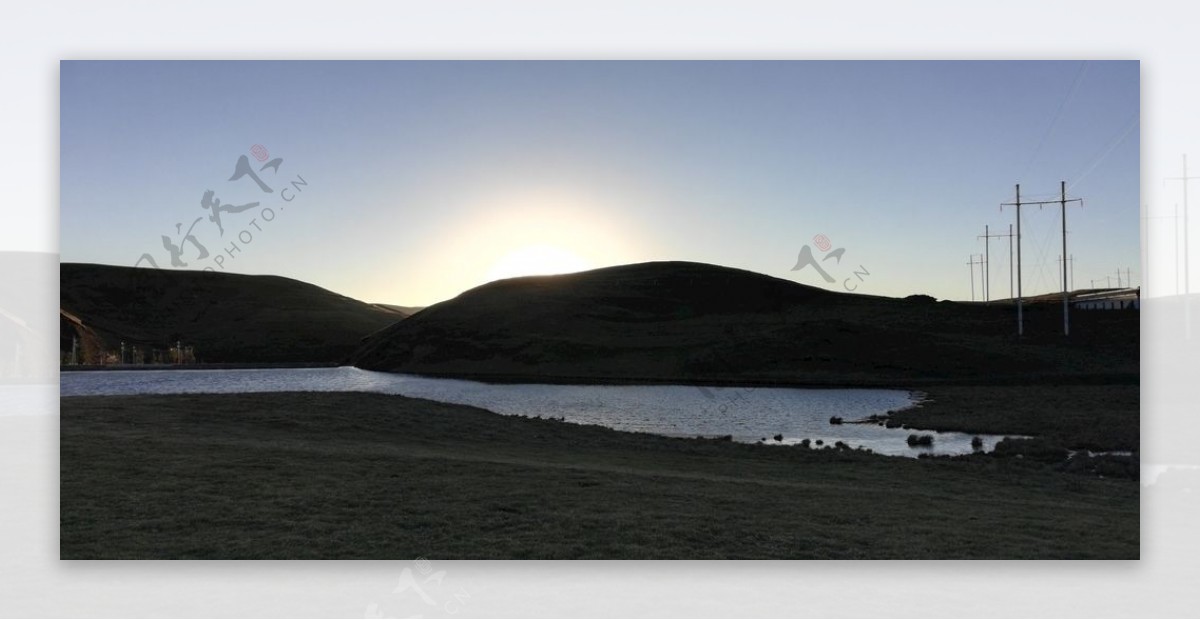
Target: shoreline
209,366
914,385
1077,417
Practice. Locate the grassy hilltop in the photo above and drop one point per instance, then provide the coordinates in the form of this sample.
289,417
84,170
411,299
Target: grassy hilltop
227,318
692,322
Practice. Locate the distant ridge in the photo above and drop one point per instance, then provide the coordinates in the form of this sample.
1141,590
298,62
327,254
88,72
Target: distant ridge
224,318
401,310
693,322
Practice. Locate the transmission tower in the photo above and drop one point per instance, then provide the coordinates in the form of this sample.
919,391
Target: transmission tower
971,265
1062,201
1187,299
987,261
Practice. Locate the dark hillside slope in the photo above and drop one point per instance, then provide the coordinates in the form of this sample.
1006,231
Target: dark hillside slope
226,318
678,321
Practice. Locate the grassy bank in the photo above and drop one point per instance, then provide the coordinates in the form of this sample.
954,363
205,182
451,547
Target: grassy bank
1079,417
348,475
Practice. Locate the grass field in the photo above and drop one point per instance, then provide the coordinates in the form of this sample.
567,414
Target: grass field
351,475
1079,417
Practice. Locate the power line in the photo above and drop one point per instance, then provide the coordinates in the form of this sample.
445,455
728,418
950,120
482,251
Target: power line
1057,115
1106,151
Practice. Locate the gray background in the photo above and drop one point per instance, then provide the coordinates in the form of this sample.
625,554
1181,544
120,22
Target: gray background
34,37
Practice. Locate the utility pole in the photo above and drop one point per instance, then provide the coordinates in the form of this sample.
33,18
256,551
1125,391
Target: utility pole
1146,248
1071,260
1187,301
1020,316
982,285
1010,262
987,271
971,265
1062,201
987,261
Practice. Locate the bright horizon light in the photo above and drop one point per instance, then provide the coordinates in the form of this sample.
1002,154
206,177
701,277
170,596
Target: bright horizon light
537,260
510,230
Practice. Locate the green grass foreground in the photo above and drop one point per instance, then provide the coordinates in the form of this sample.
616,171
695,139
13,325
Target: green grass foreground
1079,417
352,475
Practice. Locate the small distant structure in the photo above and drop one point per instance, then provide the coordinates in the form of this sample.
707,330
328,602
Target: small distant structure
1110,299
80,345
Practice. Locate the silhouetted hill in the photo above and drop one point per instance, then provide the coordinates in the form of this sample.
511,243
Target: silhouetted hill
401,310
678,321
225,318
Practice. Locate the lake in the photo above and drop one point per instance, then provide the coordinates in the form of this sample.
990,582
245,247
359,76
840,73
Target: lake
748,414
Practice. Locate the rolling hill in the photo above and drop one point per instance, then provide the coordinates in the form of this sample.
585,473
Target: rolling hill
224,318
692,322
403,311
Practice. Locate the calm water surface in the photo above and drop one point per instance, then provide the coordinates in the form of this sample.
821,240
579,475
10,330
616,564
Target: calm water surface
748,414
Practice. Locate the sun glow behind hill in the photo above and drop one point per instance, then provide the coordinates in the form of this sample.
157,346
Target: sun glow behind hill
537,260
508,232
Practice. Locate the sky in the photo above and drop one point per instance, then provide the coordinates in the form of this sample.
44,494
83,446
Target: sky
409,182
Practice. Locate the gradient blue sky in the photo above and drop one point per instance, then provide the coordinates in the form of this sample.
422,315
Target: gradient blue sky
428,178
